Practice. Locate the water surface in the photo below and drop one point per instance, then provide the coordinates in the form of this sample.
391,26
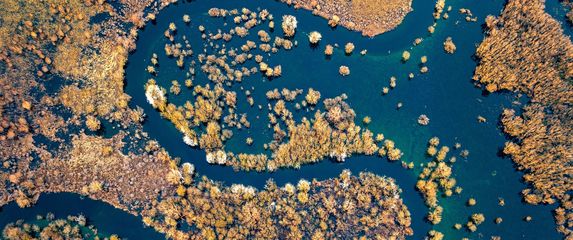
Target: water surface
445,94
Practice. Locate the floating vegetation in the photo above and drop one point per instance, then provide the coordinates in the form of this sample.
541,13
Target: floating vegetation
348,48
436,178
435,235
73,227
469,16
289,25
328,50
314,37
392,82
385,90
92,123
208,120
315,209
405,56
67,125
367,16
568,4
333,21
439,8
312,97
132,172
449,46
41,41
471,202
186,19
344,70
475,220
423,120
526,51
438,13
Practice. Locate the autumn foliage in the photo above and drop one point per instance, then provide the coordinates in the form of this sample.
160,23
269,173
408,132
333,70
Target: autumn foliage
526,51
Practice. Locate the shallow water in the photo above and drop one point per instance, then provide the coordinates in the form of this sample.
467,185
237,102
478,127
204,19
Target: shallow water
445,94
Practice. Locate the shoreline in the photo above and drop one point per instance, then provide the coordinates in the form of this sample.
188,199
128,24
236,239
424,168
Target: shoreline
346,16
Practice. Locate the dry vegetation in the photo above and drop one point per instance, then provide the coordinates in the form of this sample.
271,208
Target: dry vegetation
345,207
210,117
72,227
436,180
42,42
526,51
371,17
96,167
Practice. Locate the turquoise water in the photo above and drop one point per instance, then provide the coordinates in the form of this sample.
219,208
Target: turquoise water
445,94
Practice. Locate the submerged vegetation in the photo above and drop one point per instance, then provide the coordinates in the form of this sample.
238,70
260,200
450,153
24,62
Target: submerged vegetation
568,4
209,120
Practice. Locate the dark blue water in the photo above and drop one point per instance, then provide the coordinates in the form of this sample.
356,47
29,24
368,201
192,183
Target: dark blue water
445,94
559,12
107,219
